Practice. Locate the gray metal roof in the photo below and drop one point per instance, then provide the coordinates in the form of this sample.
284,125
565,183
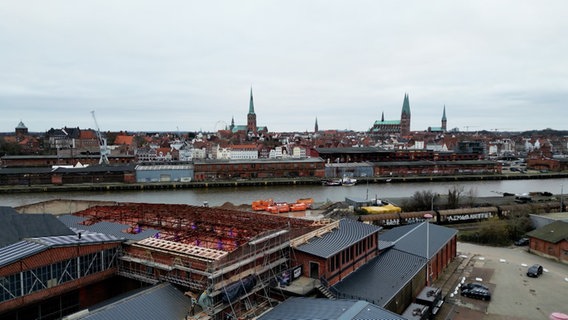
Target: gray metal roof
300,308
412,238
456,163
164,167
28,247
380,279
16,226
105,227
19,250
162,301
350,150
348,233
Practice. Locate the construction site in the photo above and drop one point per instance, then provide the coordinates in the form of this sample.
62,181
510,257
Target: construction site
227,261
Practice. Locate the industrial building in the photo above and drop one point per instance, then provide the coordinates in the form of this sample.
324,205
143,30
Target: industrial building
226,260
226,263
47,270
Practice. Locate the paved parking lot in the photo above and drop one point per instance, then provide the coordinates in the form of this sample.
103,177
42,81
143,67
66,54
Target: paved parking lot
514,295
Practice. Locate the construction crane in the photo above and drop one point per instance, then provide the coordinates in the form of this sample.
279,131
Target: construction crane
102,143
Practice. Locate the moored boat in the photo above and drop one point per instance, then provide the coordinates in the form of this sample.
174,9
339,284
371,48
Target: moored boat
348,181
261,205
332,183
279,207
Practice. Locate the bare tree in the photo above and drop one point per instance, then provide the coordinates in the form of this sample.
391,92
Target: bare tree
454,195
420,201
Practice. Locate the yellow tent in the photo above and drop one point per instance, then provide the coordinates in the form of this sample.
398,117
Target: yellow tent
387,208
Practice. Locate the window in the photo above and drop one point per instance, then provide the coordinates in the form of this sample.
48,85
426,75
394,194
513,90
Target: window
10,287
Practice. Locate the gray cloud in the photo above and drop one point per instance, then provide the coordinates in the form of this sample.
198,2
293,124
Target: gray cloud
188,64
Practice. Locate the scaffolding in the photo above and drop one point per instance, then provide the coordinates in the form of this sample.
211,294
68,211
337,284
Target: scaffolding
229,259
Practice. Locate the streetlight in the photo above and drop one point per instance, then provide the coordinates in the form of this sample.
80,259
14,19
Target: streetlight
432,202
428,216
562,198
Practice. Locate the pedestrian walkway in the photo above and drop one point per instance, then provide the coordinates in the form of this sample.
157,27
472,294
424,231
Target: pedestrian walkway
448,281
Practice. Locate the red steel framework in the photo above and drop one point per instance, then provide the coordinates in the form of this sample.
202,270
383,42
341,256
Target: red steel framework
206,227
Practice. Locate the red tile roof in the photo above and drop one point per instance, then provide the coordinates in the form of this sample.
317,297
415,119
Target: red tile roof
124,140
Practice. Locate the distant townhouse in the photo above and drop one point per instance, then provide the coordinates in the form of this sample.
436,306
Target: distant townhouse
244,152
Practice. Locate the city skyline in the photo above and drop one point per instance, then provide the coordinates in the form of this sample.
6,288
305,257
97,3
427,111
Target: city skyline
189,66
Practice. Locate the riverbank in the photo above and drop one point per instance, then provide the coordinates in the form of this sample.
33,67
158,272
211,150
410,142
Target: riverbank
98,187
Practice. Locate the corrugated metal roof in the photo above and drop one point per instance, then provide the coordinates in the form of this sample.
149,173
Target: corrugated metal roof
86,238
412,238
162,301
105,227
380,279
164,167
97,168
31,246
348,233
311,308
19,250
71,220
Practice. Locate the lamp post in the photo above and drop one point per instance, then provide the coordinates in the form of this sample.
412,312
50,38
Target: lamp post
428,216
432,202
562,198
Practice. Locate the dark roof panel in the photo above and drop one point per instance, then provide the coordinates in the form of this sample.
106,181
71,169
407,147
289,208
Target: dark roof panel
412,238
105,227
162,301
348,233
16,226
311,308
380,279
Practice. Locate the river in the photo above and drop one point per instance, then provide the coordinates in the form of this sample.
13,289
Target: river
245,195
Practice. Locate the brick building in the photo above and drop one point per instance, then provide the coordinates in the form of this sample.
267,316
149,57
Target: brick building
47,270
550,241
345,246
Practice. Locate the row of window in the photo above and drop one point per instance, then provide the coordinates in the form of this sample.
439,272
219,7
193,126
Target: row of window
349,254
268,166
30,281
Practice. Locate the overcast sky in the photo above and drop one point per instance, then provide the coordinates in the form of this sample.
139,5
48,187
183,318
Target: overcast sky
190,65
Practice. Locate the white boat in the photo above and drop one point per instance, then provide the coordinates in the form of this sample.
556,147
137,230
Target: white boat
348,181
332,183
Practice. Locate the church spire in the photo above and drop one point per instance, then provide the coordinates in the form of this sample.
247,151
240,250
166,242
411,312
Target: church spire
444,120
383,117
251,104
251,117
405,117
406,105
316,129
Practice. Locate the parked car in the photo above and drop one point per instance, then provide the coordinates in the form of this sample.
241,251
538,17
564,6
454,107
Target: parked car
534,271
522,242
477,293
473,285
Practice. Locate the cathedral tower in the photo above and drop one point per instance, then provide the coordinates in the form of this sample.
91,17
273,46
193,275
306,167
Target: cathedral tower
405,117
251,116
